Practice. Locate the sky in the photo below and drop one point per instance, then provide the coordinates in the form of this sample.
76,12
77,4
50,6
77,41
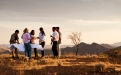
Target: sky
98,20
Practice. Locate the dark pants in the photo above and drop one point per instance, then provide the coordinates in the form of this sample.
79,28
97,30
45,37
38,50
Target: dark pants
35,51
42,44
15,52
28,49
55,48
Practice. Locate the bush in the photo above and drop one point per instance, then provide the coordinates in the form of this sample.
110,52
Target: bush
100,68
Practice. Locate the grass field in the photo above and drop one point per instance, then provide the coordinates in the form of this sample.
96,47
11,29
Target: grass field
65,65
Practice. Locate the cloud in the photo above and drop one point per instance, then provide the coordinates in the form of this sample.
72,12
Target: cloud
94,25
72,9
87,16
94,22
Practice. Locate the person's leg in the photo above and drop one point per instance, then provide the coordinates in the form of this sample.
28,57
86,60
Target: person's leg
29,50
35,52
53,48
56,48
26,48
12,52
42,51
16,52
59,52
43,44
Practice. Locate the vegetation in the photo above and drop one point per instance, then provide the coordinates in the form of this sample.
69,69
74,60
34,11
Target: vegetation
65,65
75,37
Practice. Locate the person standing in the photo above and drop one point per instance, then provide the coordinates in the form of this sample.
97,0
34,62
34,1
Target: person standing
42,40
26,39
32,41
13,40
59,41
54,40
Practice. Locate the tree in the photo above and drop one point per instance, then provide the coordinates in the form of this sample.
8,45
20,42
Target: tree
75,37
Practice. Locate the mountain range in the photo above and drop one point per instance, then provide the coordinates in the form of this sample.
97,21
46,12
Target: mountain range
83,48
116,44
88,48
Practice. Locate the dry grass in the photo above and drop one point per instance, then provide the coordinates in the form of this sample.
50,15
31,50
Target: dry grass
56,66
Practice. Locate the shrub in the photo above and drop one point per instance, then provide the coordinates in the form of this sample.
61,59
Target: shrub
100,68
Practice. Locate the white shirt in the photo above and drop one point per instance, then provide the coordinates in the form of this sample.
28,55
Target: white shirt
41,37
32,39
55,35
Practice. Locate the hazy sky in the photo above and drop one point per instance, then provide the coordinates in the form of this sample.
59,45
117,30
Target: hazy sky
98,20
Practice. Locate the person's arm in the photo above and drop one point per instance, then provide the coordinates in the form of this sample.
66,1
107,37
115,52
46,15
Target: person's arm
28,36
22,36
38,36
53,37
18,39
18,42
51,41
60,36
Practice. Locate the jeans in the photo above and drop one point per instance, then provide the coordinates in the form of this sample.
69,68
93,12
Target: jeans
28,49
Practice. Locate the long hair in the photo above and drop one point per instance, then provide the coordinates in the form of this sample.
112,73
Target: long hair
42,31
26,30
32,32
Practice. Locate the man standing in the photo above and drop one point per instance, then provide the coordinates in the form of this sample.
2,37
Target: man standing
59,41
55,38
13,40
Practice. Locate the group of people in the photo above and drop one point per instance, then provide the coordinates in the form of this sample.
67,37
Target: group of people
29,38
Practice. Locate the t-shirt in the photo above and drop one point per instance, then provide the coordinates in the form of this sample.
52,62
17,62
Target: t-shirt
14,37
41,37
55,35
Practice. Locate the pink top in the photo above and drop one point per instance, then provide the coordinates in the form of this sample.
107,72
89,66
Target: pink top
26,37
